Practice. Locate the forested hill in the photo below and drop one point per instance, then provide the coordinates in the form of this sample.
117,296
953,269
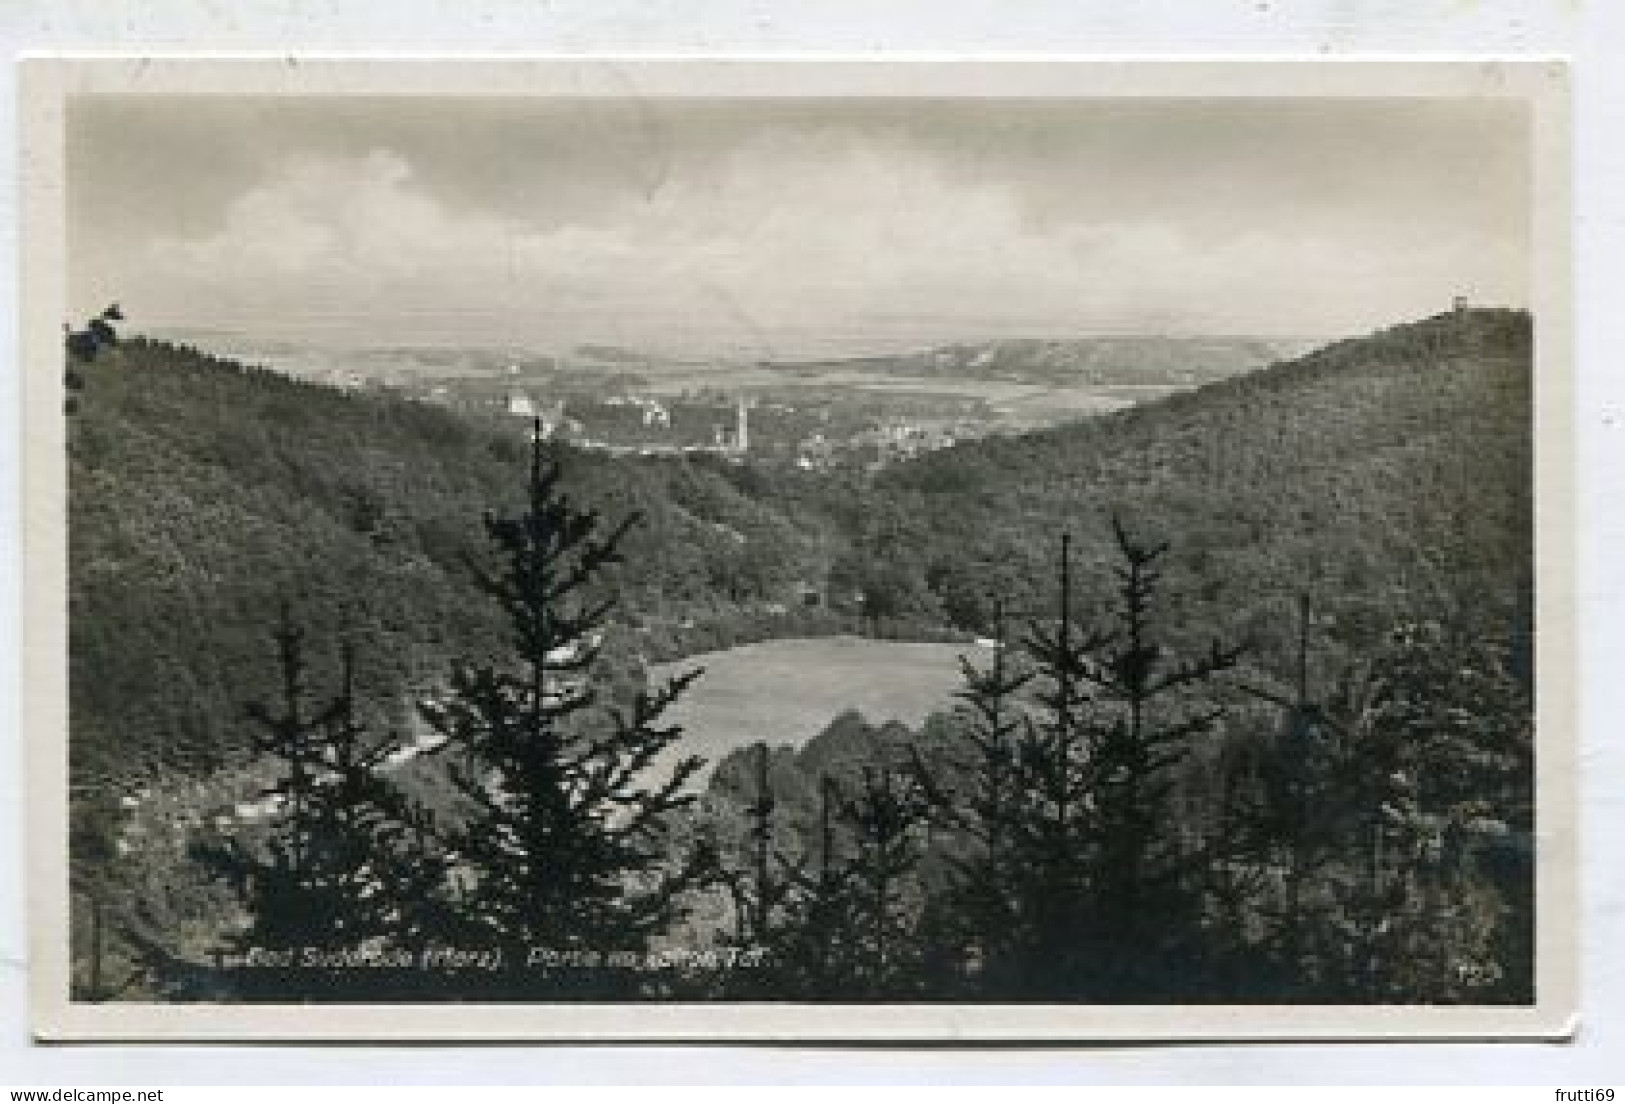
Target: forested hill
204,494
1387,477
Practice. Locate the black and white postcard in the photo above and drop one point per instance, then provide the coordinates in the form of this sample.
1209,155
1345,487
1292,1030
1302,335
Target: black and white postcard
886,550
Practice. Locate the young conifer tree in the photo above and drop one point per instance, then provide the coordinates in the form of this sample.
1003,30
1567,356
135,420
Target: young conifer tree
1047,823
565,847
386,843
1104,894
847,925
786,908
882,877
970,789
1303,823
813,952
758,885
343,867
1145,900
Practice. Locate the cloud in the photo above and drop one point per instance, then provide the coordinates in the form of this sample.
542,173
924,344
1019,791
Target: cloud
783,242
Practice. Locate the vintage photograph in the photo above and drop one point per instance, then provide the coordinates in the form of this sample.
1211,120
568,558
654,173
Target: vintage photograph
886,548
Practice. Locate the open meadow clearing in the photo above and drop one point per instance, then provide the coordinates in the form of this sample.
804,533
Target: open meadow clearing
787,691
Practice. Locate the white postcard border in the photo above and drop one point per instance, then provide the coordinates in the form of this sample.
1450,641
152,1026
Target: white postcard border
47,84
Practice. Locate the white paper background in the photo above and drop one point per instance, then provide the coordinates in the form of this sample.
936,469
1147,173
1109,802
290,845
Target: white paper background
1594,36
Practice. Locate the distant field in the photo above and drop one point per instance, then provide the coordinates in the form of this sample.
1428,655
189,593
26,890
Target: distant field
787,691
834,380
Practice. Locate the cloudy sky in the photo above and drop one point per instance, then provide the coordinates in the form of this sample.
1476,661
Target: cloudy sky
792,227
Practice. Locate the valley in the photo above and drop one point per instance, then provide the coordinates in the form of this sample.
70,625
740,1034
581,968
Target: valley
1366,506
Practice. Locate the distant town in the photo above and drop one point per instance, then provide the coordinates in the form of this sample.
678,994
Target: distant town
861,412
810,428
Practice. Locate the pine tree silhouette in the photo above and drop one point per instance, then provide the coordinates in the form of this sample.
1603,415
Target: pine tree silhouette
759,894
885,816
971,791
1144,905
83,347
813,950
564,847
346,864
847,926
1303,819
1094,896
